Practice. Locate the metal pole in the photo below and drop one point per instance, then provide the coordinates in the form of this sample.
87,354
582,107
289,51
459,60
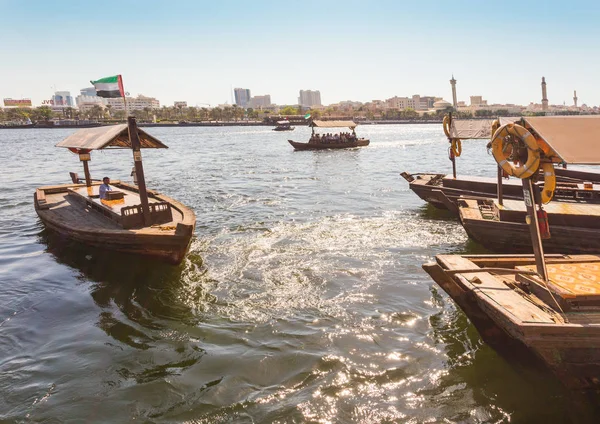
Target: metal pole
139,169
500,188
534,229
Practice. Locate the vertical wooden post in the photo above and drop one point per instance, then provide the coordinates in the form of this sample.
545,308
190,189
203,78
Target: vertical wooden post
139,169
453,159
534,229
500,188
86,171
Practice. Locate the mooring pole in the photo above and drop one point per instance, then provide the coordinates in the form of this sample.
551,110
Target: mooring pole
534,229
139,169
500,193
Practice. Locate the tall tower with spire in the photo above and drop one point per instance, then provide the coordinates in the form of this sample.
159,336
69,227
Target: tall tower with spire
575,98
544,95
453,83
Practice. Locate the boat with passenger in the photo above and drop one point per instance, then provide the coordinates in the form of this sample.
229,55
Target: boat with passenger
443,190
284,126
128,218
342,140
545,304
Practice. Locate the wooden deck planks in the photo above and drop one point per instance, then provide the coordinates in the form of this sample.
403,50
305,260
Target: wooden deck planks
494,292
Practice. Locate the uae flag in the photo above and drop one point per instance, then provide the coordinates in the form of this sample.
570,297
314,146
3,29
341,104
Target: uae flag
109,86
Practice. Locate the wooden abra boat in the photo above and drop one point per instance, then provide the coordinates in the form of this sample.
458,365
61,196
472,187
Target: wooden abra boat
133,219
547,304
575,227
321,142
443,191
513,308
283,126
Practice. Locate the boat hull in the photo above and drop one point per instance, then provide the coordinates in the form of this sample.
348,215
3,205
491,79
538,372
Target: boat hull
570,349
169,245
318,146
514,236
443,191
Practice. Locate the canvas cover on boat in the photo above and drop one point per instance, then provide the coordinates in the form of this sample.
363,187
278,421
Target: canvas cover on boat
333,124
112,136
465,129
283,122
574,139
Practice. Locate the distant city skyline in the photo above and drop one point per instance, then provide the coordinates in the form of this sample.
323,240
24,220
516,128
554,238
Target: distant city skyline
349,50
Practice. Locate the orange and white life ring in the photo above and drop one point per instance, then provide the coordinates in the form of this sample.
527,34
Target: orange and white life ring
533,154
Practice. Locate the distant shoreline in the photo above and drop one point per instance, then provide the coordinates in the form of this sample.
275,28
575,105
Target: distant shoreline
208,124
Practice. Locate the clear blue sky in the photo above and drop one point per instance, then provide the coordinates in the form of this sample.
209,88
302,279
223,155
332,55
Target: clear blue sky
349,50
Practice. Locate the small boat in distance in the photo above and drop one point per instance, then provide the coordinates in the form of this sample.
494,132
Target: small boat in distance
283,126
131,218
331,141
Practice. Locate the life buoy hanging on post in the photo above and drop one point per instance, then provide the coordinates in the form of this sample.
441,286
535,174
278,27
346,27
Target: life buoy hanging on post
549,182
456,146
446,126
499,150
495,126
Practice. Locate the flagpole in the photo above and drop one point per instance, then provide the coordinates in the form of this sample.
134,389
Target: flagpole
134,140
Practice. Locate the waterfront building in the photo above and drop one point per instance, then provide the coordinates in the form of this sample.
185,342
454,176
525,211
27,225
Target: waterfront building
180,104
309,98
88,98
478,101
258,102
415,102
242,96
134,103
63,99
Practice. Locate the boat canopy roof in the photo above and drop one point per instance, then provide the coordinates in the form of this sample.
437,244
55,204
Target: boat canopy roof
333,124
283,122
573,139
113,136
466,129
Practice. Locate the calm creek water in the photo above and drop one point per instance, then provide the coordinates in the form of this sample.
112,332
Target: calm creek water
302,298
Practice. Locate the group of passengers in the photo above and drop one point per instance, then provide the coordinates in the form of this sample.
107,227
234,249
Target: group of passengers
329,138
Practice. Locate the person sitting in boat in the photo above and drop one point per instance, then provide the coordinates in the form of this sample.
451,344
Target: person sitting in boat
104,187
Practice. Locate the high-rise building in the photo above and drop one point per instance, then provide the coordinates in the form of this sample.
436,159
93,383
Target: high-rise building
260,101
309,98
63,99
242,96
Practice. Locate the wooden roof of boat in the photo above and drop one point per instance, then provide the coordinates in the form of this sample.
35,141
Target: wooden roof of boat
333,124
112,136
574,139
475,129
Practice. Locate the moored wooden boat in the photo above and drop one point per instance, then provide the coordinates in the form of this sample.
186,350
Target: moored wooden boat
443,190
548,305
137,220
318,142
574,227
512,308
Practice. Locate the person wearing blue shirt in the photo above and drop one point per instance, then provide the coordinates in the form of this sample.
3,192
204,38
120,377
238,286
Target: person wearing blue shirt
104,187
